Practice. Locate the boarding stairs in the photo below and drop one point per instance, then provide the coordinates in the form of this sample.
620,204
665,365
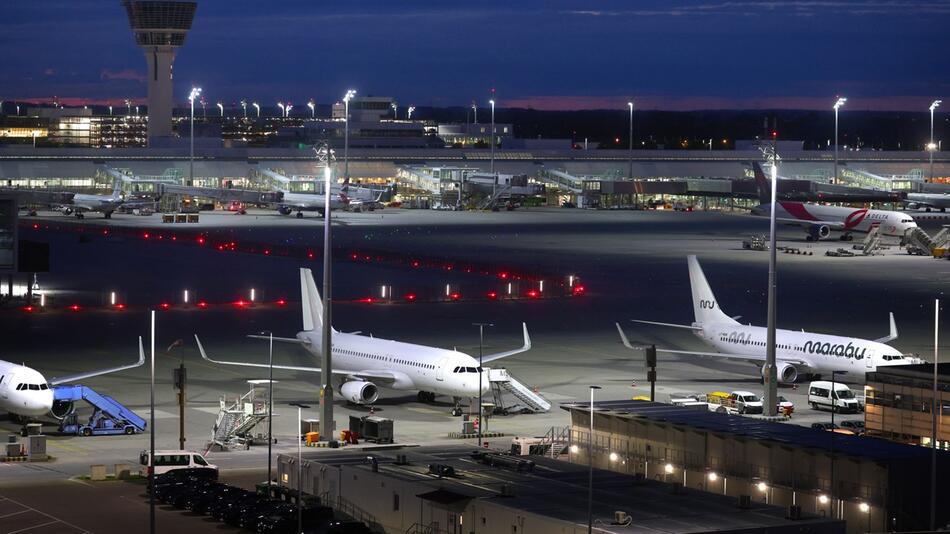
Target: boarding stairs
107,412
918,242
502,382
491,201
237,417
555,441
872,241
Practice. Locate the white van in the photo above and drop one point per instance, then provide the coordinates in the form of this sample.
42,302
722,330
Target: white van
170,460
843,400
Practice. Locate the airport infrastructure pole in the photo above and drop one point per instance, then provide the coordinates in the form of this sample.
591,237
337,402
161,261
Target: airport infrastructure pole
834,398
590,462
299,473
270,408
933,423
840,102
630,154
191,141
151,457
770,383
492,102
931,147
326,399
481,343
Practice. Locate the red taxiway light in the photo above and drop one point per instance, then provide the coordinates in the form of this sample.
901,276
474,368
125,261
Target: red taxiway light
201,240
241,303
281,302
503,275
145,235
28,309
367,300
579,290
202,304
415,264
310,254
532,293
75,307
492,295
455,296
411,297
267,252
164,305
36,226
120,306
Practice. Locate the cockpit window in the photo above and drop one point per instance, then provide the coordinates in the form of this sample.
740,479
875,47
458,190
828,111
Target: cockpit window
20,387
34,387
471,370
44,387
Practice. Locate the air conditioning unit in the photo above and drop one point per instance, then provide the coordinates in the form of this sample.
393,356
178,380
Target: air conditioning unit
621,518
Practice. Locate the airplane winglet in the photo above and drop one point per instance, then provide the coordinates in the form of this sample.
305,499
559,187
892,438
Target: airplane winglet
623,338
893,334
99,372
524,348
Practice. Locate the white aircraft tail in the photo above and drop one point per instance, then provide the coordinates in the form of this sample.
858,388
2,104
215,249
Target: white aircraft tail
310,301
705,307
117,189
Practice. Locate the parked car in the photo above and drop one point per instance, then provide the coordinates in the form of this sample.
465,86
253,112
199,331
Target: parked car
831,428
820,396
202,501
284,521
854,425
226,505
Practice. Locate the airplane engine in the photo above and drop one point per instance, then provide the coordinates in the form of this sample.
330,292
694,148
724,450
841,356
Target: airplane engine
67,210
61,409
284,210
818,231
787,373
360,392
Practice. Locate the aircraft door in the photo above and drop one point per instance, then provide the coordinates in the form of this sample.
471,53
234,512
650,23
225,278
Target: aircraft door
869,360
440,369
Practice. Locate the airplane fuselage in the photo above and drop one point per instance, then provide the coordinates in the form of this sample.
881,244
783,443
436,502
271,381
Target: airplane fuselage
414,367
929,200
822,353
892,223
24,391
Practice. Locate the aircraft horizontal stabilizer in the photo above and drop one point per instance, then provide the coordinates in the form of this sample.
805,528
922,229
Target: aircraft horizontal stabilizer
280,339
89,374
524,348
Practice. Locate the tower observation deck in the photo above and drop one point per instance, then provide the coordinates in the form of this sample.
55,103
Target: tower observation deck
160,28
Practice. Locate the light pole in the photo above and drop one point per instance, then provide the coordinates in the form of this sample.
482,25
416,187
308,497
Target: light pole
110,111
283,111
931,147
326,399
770,402
933,421
244,107
409,112
151,430
492,102
395,107
258,108
346,137
313,113
289,107
840,102
475,109
481,343
270,406
221,108
590,462
834,408
630,153
195,91
128,104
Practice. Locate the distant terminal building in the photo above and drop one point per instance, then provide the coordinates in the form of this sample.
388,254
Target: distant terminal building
873,484
474,134
900,401
160,28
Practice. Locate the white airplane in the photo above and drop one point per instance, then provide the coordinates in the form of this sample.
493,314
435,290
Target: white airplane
928,201
362,362
818,220
26,394
301,202
797,353
105,204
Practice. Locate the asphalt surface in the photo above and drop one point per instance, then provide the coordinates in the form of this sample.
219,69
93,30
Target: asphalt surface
632,265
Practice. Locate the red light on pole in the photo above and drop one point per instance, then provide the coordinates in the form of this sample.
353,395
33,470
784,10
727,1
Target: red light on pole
415,264
267,252
145,235
579,290
503,275
310,254
241,303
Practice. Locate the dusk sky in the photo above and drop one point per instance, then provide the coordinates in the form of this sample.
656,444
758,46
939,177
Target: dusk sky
547,54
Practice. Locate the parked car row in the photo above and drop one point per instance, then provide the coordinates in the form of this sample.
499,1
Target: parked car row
198,490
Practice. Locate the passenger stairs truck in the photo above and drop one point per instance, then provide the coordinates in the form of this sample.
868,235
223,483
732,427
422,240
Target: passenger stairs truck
109,417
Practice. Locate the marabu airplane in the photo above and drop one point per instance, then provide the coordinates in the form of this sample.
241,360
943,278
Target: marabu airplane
363,361
819,220
797,353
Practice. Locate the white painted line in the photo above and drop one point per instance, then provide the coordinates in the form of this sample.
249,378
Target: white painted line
14,513
55,520
34,526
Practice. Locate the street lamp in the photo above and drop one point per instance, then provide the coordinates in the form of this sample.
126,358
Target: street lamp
630,152
590,462
409,112
475,109
195,91
244,107
395,106
270,405
481,343
289,107
110,110
346,135
258,108
932,146
834,408
221,108
840,102
313,113
492,102
128,104
283,111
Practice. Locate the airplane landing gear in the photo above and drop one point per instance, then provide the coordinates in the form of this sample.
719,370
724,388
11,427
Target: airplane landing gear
457,410
107,215
847,237
300,215
79,215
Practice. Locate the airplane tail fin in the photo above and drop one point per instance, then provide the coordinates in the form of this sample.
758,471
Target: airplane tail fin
310,301
705,307
117,188
762,184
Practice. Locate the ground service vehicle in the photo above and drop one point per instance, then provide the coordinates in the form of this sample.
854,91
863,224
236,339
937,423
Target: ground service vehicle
171,460
842,399
742,402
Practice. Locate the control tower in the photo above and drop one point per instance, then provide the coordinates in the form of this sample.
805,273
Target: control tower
160,28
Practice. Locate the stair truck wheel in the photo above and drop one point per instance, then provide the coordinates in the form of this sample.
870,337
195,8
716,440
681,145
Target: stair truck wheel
87,431
129,430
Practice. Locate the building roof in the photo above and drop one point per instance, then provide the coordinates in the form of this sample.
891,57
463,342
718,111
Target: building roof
558,489
784,434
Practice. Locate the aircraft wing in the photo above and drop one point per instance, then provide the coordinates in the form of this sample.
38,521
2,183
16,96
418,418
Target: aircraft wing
732,356
524,348
893,333
835,225
89,374
205,356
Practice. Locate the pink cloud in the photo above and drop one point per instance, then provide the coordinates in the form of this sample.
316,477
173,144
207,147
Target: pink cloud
126,74
691,103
